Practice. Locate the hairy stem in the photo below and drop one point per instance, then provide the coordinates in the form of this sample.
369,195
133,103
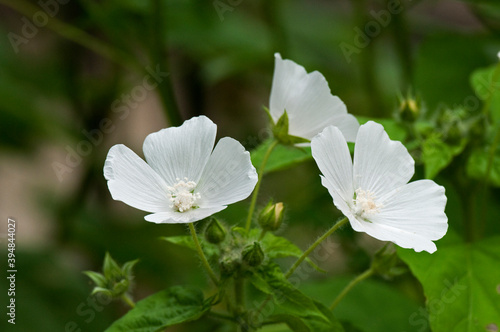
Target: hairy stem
128,300
314,245
203,259
257,186
368,273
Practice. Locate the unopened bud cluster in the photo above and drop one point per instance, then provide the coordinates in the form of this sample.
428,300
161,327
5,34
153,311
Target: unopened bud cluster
115,281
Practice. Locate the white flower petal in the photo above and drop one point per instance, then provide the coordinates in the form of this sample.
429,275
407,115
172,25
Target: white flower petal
173,217
330,151
181,152
380,164
412,216
229,175
340,202
134,182
307,100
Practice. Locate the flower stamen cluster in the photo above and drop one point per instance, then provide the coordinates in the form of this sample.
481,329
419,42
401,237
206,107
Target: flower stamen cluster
365,203
182,195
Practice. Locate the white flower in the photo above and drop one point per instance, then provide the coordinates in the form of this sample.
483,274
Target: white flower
374,193
308,102
183,180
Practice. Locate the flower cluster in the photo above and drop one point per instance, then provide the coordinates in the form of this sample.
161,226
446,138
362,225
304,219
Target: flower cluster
185,179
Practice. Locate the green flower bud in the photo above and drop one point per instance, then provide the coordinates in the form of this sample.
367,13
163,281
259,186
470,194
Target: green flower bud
215,232
386,262
229,264
115,281
409,108
271,217
253,254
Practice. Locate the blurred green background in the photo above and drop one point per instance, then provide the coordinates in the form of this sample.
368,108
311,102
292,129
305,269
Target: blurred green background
78,76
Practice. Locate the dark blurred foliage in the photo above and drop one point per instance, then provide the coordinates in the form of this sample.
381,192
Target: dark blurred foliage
63,77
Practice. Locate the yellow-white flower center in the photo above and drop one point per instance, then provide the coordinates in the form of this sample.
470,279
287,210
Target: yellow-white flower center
182,196
365,204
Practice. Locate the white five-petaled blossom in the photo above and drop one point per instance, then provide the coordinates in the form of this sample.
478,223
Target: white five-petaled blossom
185,178
308,102
373,191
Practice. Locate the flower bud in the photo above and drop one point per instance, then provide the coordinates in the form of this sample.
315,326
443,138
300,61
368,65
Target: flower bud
253,254
115,281
409,108
215,232
229,264
271,217
386,263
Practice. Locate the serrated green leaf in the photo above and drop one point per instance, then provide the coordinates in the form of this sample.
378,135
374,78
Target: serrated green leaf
169,307
282,156
461,282
436,154
477,166
290,302
311,323
278,247
187,242
180,240
486,84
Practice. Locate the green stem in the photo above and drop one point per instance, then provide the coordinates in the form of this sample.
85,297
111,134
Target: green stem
222,316
304,256
128,300
489,166
203,259
257,186
314,245
368,273
76,35
239,294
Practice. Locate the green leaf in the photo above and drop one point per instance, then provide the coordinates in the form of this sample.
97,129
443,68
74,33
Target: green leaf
278,247
128,266
181,240
310,323
486,84
282,156
291,304
461,282
110,268
371,306
172,306
436,154
187,242
280,129
477,165
96,277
